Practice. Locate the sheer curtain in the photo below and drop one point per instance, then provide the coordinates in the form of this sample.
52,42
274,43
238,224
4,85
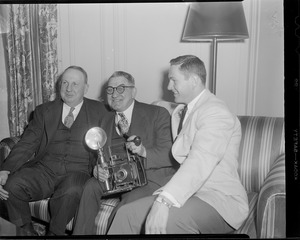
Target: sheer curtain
31,60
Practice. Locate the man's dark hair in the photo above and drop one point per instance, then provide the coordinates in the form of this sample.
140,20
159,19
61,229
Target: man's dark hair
190,64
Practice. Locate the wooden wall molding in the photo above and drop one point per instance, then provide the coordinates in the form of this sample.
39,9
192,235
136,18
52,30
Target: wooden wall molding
253,28
102,43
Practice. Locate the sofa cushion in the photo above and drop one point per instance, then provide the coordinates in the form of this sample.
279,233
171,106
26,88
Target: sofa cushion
39,210
104,212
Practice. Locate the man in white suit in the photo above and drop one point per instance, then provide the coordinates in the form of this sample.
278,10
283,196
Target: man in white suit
205,195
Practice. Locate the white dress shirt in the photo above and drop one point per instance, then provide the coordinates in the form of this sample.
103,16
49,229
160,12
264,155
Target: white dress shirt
66,110
128,115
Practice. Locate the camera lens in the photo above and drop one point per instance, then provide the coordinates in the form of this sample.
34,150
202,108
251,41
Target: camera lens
121,175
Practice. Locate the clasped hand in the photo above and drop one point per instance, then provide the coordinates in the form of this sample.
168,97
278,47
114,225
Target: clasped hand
3,179
139,150
100,173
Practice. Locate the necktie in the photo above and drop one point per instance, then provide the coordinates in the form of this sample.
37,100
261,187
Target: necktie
123,125
182,115
69,119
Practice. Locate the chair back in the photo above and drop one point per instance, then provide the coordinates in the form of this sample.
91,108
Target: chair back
6,145
262,143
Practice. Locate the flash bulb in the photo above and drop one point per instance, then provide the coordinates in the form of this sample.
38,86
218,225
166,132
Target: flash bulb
95,138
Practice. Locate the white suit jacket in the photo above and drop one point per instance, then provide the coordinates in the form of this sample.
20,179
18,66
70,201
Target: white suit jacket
207,149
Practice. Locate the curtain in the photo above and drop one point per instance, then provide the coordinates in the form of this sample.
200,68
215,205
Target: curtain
32,65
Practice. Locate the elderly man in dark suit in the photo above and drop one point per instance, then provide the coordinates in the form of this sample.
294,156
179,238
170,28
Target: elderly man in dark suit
152,124
60,163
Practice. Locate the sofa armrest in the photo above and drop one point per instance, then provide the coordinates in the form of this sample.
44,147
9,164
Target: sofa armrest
271,220
6,145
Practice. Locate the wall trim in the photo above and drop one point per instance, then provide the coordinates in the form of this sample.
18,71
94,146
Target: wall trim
102,42
116,37
72,39
253,57
119,37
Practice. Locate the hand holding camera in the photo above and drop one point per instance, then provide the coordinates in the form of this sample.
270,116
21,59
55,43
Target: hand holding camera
101,173
122,168
135,145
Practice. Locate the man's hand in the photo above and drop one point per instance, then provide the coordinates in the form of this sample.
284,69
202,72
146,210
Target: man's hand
157,219
100,173
3,179
140,150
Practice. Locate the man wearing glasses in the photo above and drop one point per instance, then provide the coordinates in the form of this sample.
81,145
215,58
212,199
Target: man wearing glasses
128,119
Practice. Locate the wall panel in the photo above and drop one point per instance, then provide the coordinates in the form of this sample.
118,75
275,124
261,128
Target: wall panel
141,38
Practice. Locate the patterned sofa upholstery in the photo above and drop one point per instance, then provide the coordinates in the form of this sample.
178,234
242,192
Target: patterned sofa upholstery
261,169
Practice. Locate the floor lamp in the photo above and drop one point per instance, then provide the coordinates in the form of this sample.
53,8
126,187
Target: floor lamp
214,22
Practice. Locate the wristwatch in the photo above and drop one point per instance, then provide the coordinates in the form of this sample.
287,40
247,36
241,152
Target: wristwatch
162,200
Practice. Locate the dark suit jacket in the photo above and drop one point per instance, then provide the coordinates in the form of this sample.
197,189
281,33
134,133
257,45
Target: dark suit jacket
152,124
41,129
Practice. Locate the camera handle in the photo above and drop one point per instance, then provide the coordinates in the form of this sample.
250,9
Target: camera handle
102,163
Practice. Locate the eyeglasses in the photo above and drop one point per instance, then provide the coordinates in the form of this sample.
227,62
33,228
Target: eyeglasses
120,89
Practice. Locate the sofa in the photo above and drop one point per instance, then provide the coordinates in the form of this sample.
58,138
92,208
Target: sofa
261,169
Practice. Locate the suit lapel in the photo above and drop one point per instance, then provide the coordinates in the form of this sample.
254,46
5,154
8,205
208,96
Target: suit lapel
93,115
107,125
53,118
176,118
181,145
137,119
89,113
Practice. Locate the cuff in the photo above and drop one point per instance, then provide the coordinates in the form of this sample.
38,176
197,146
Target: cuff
168,198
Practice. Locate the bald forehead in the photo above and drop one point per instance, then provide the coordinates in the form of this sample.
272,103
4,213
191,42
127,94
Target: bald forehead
71,72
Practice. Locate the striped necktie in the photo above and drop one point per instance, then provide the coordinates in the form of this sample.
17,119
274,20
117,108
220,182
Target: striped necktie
69,119
123,124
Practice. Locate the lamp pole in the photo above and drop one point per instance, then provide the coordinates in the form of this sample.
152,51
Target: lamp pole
214,65
213,21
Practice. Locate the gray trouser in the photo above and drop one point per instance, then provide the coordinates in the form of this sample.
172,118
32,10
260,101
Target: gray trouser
196,216
91,200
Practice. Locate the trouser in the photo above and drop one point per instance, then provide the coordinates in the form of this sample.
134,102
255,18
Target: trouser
195,217
36,183
91,200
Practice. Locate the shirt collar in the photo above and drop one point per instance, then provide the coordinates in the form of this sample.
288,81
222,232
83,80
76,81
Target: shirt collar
194,101
67,108
128,112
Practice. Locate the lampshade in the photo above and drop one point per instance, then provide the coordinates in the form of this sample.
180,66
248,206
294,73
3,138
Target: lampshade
221,20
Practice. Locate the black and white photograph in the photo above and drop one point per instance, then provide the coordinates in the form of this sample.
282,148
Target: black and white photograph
144,118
